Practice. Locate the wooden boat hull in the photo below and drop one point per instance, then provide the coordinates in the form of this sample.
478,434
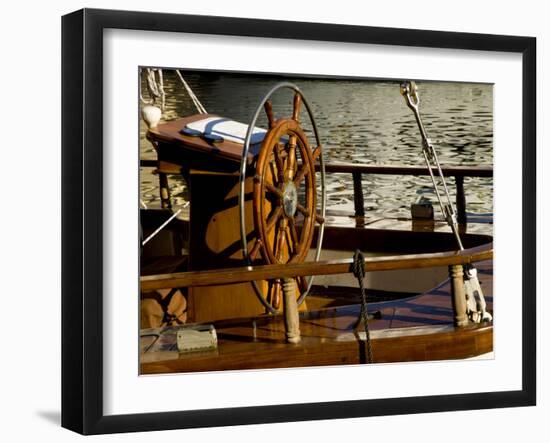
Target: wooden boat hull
443,343
419,328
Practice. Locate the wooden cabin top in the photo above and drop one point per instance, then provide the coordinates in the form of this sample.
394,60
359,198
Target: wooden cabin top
169,134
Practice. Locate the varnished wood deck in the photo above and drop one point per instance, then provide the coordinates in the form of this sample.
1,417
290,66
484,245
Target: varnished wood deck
415,329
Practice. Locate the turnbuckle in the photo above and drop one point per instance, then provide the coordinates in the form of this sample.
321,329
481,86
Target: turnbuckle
450,215
428,149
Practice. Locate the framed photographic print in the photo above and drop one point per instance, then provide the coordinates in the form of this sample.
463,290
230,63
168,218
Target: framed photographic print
263,218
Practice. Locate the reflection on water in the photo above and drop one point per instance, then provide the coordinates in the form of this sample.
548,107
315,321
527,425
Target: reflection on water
359,122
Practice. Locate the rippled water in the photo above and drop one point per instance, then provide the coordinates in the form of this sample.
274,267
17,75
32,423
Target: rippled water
359,122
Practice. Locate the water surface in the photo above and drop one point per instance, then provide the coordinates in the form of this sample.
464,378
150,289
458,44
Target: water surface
360,121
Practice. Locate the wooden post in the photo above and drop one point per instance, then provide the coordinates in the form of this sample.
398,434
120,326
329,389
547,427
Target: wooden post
292,320
460,199
456,273
165,199
358,195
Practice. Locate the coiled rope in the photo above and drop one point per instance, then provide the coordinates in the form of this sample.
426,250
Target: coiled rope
358,269
155,87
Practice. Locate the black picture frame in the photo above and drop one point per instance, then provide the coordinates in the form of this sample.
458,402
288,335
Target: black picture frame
82,190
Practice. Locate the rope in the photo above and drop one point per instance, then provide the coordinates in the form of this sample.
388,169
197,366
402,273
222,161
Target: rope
155,87
358,269
196,102
161,227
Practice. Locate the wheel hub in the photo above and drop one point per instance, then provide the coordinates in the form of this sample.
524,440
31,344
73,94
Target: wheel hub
290,198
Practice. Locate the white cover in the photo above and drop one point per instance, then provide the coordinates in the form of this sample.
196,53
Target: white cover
230,130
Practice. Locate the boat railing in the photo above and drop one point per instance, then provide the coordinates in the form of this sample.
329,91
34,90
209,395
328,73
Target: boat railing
453,259
457,172
243,274
358,170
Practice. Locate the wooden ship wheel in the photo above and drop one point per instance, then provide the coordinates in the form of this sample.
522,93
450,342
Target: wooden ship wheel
285,204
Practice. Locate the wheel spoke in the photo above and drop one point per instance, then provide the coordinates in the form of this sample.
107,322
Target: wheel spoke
274,190
269,295
280,242
316,153
296,106
276,294
290,242
294,235
279,162
277,213
274,172
302,284
268,107
281,236
304,170
291,161
303,210
255,249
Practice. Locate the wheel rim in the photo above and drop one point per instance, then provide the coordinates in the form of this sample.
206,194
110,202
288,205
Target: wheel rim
280,186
